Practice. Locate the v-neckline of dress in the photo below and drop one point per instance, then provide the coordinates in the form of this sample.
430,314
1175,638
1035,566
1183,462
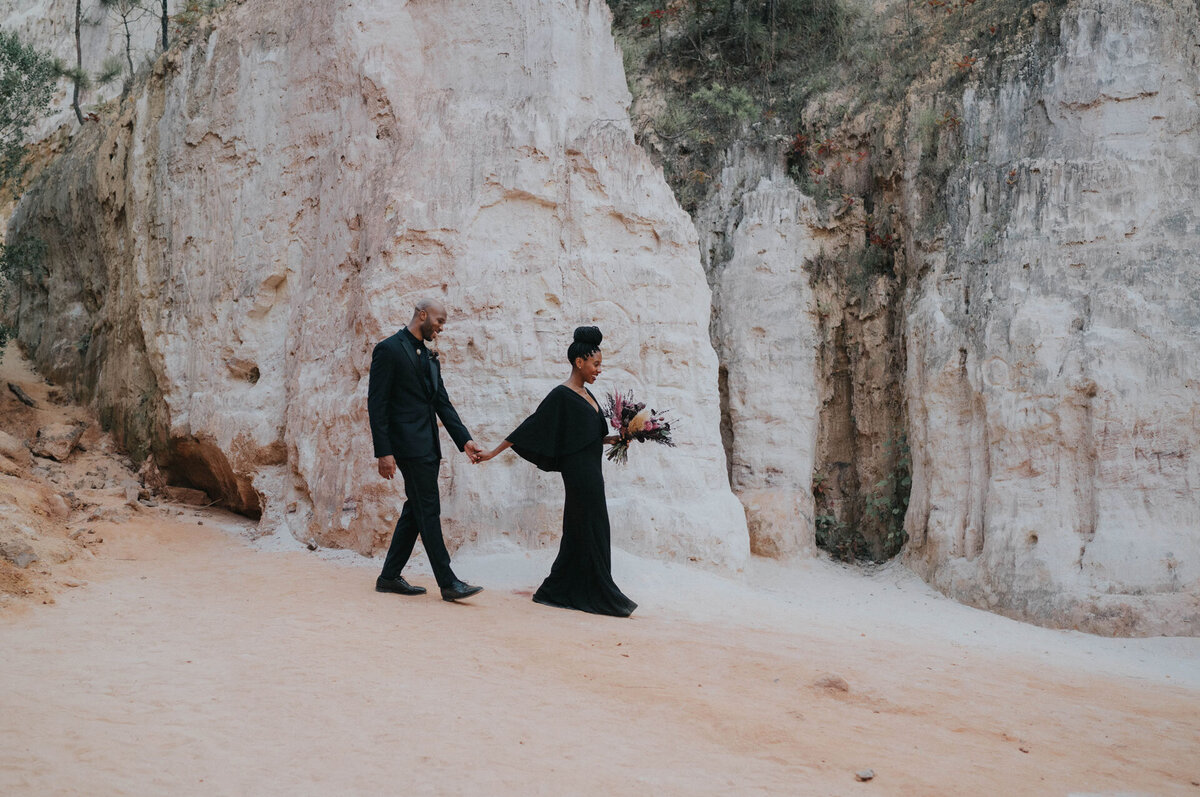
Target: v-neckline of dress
593,407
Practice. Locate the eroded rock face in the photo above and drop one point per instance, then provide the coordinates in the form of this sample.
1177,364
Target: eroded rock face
20,554
276,198
811,362
758,232
1050,323
14,449
1054,342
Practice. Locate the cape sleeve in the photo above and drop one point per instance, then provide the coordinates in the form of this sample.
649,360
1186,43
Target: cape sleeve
559,427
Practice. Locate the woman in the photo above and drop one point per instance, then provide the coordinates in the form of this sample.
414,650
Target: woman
566,434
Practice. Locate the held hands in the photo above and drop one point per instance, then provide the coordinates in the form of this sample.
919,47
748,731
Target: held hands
387,465
484,456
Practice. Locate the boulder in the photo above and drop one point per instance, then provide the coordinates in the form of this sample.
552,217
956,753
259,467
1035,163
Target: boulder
57,440
186,495
18,553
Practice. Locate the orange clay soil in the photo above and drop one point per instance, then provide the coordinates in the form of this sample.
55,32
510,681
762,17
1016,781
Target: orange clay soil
193,663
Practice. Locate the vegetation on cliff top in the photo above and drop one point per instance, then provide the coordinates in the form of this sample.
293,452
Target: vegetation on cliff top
705,74
27,78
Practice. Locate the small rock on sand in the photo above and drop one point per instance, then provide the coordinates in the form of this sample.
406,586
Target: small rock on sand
863,775
187,495
21,395
19,553
832,682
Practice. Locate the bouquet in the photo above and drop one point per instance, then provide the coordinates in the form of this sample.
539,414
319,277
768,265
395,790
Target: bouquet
634,421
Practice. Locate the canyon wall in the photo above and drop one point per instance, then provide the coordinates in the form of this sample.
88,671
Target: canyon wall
226,248
756,233
1035,346
273,199
1053,325
811,360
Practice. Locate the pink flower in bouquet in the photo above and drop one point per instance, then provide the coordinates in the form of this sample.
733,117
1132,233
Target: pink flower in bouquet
615,406
634,421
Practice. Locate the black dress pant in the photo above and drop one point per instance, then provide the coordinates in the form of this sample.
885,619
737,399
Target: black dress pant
421,516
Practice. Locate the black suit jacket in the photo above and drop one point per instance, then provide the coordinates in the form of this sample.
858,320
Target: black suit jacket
403,409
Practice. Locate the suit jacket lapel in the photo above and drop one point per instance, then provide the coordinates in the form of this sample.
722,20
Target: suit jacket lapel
411,351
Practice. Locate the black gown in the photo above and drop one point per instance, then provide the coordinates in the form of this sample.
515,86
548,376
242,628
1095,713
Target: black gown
566,434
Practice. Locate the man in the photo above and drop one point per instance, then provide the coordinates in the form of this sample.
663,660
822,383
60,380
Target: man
405,397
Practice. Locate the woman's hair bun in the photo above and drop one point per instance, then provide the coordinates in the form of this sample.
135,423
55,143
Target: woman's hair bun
587,343
591,336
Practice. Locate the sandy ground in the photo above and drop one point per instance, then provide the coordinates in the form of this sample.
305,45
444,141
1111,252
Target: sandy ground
194,661
158,649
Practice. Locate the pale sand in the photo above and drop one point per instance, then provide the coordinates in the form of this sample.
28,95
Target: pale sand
194,662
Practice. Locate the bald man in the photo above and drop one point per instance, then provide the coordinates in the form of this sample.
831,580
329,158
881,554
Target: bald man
405,398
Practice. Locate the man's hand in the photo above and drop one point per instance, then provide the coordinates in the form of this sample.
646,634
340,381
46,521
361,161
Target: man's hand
387,466
473,451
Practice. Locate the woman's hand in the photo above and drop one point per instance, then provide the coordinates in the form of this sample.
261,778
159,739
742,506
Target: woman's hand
612,438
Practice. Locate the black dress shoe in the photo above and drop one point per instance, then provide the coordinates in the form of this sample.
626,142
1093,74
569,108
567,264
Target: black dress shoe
459,590
397,585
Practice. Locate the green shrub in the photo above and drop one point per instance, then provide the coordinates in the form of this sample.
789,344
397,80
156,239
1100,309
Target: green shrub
27,78
723,67
724,106
888,502
840,539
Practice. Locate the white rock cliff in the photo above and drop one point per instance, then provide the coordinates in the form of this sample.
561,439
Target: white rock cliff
762,230
1054,342
1051,325
276,197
